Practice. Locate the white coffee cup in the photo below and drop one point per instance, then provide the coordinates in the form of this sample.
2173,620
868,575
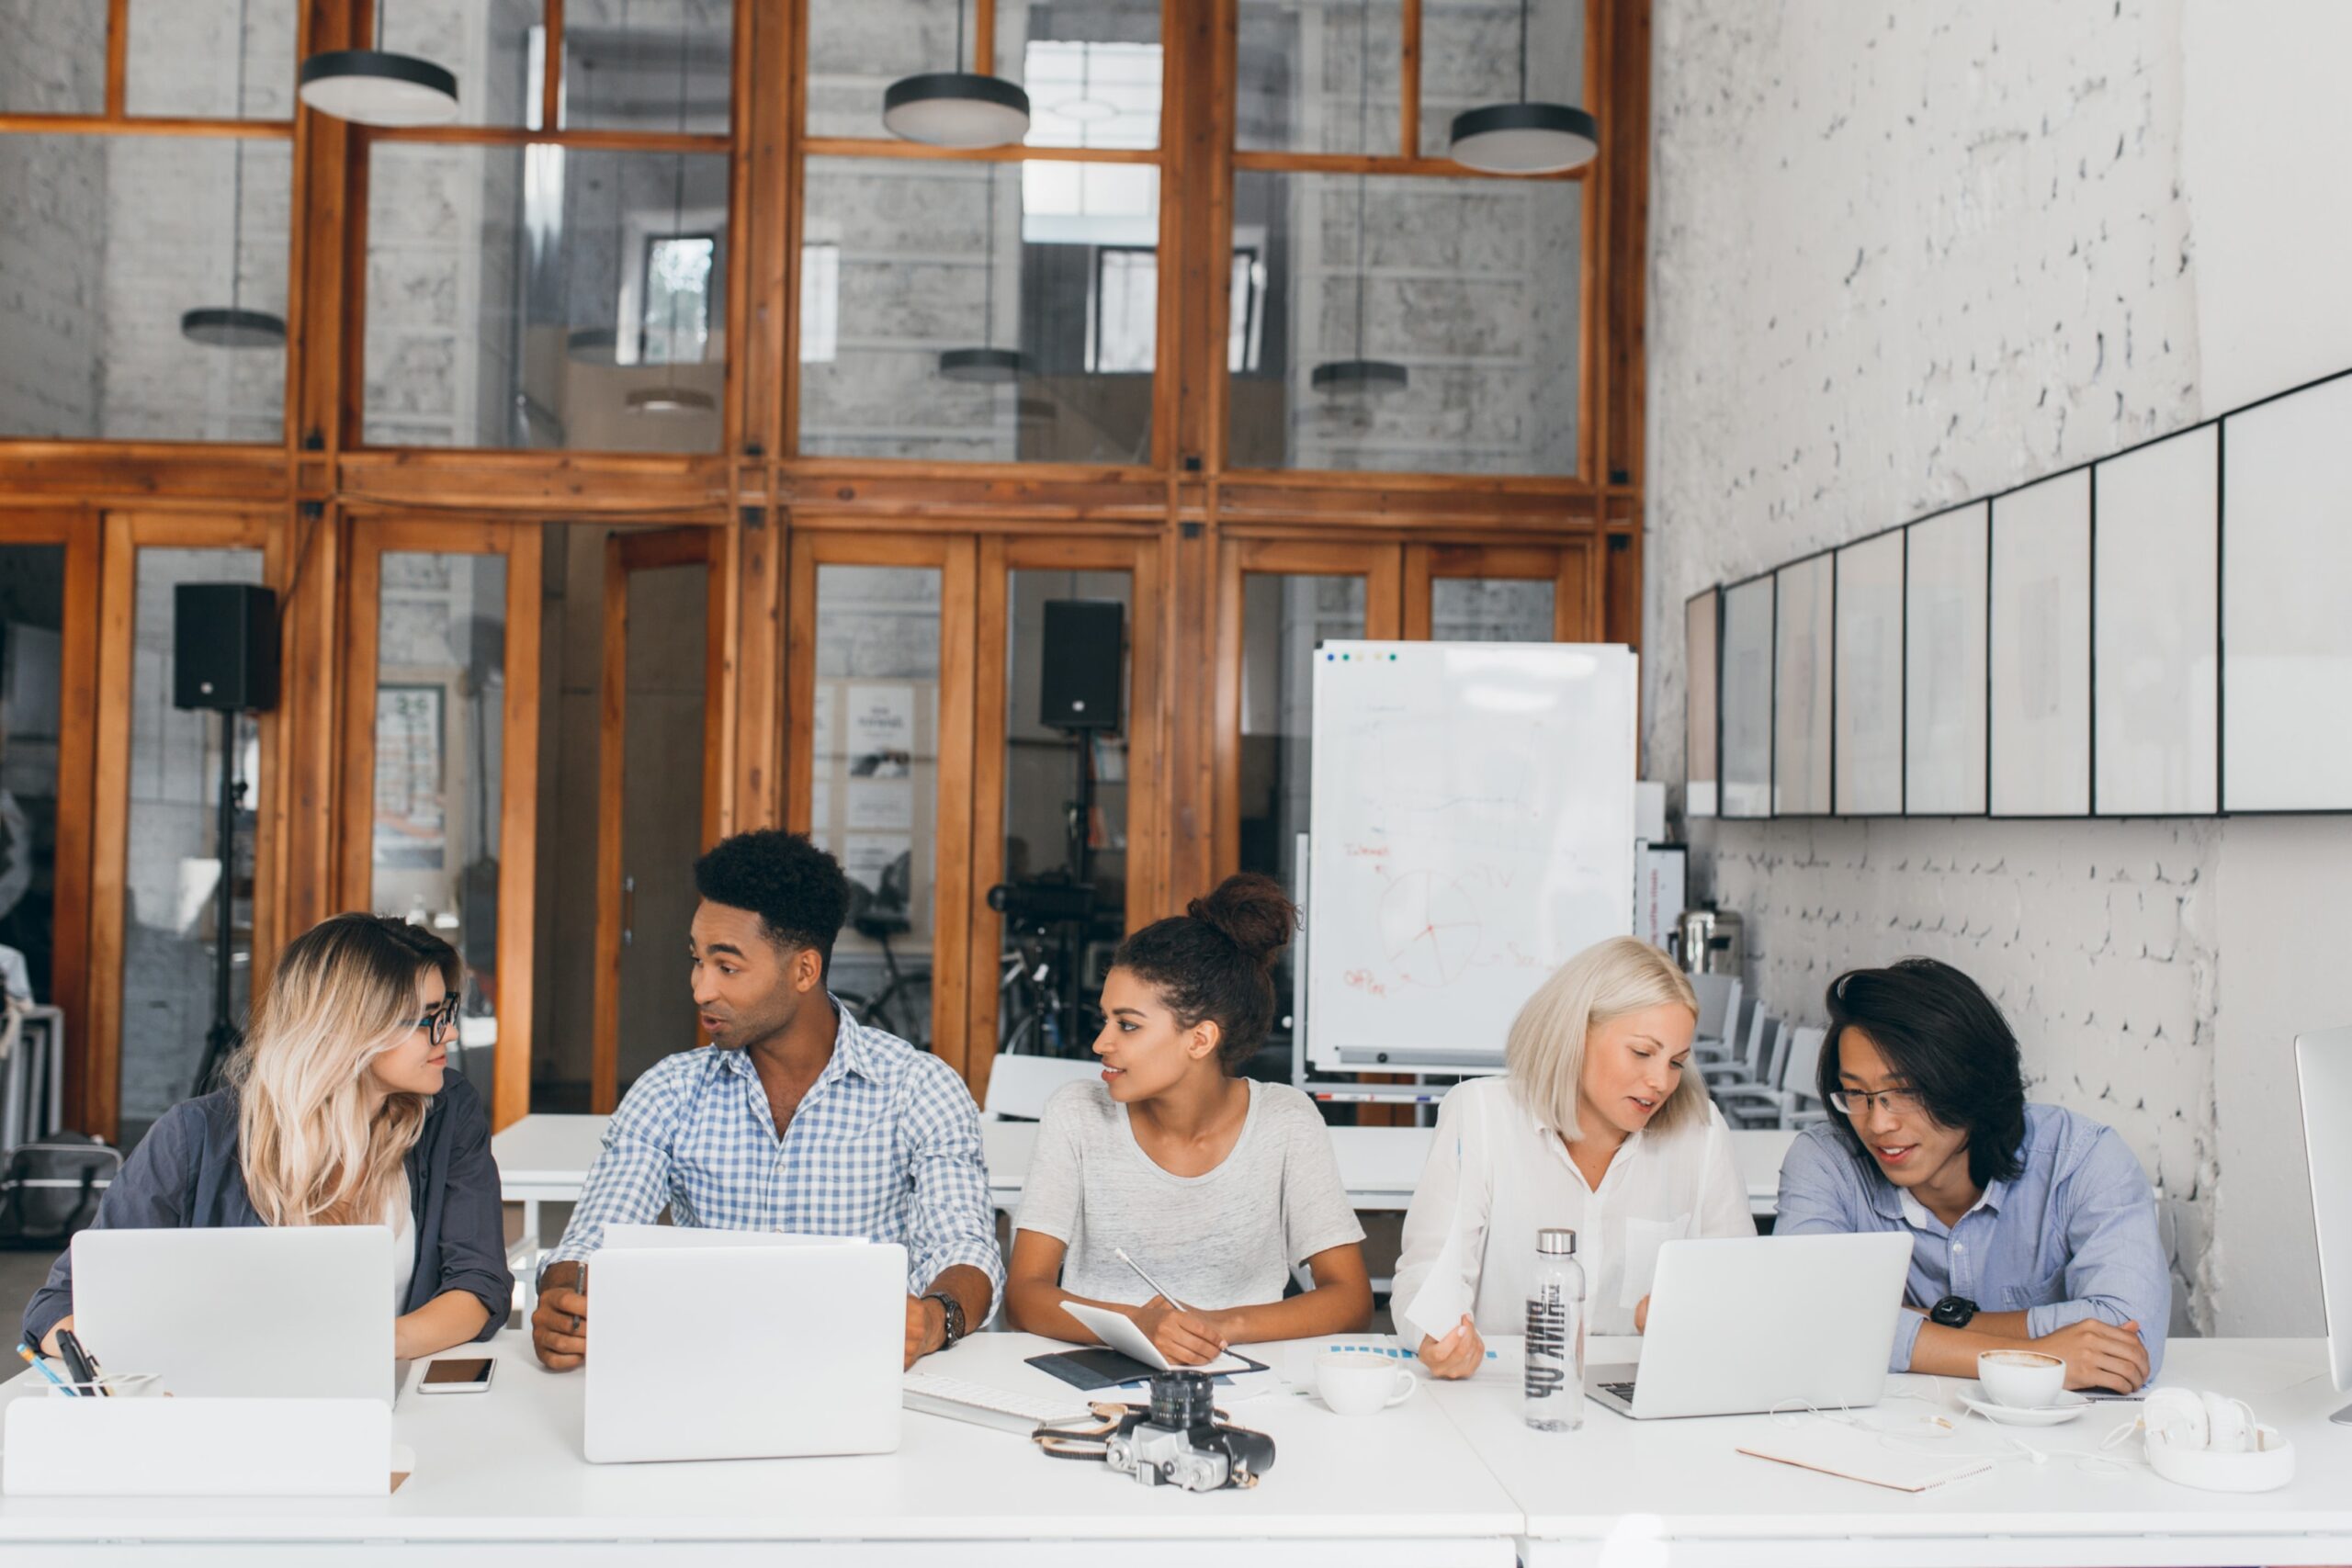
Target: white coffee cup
2022,1380
1361,1382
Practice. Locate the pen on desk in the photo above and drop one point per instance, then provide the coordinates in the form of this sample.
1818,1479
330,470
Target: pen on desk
1121,1254
36,1364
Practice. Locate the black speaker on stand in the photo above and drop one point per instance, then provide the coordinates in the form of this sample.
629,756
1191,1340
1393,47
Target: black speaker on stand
224,660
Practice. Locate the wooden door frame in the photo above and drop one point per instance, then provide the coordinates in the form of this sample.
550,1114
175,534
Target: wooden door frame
76,531
956,558
121,535
1568,564
521,543
625,553
1148,724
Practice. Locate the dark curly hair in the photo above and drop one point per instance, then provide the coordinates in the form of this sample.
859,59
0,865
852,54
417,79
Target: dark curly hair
1216,960
1946,1038
796,888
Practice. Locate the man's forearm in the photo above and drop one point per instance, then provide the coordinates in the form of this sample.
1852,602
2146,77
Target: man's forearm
972,1290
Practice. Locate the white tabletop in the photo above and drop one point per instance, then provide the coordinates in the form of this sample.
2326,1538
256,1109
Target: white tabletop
1401,1488
548,1151
1681,1488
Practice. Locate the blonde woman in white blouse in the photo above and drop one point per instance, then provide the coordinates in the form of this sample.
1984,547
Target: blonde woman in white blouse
1600,1123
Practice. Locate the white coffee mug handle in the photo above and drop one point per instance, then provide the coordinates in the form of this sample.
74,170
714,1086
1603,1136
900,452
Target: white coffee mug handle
1412,1387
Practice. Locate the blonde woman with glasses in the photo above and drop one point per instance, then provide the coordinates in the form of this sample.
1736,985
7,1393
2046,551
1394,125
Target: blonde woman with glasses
342,1110
1599,1124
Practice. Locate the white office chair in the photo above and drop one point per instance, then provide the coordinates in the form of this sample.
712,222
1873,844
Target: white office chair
1019,1085
1759,1103
1747,1063
1718,1007
1773,1103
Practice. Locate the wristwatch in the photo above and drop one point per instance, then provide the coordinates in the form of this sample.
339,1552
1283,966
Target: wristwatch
1952,1311
954,1311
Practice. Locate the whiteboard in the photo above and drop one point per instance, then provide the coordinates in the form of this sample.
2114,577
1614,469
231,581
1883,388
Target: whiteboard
2156,629
2039,720
1943,663
1868,711
1801,629
1473,806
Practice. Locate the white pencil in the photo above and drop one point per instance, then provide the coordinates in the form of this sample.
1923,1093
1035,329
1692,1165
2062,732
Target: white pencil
1157,1288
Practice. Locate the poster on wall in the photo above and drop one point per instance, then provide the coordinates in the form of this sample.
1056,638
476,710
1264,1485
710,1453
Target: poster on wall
1699,631
1746,691
1943,664
410,817
2156,652
1867,744
2039,719
1805,598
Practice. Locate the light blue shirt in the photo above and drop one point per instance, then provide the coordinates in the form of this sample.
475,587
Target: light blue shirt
2074,1237
885,1145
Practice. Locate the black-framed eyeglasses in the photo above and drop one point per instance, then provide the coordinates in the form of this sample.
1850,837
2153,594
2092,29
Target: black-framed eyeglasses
1853,1103
442,1021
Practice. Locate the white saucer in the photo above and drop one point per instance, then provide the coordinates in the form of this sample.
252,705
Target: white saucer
2070,1404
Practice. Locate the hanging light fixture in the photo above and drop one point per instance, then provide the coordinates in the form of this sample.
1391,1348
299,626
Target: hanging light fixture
232,325
372,86
985,365
591,346
1523,137
1360,375
672,398
957,107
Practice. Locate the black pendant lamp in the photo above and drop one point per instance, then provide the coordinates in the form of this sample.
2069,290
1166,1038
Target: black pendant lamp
1524,138
1359,376
672,398
233,325
986,366
374,86
957,107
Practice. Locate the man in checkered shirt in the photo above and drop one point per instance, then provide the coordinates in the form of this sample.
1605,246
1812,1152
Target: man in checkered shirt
796,1117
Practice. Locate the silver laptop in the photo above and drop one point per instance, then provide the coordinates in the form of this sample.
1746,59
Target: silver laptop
731,1345
2323,1069
302,1312
1742,1323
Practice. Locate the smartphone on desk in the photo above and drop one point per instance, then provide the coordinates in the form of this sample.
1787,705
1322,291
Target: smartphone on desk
457,1375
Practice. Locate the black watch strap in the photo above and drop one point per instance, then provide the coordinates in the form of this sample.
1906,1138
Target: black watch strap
954,1311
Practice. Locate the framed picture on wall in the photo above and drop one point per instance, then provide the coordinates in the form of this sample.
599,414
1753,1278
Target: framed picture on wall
2285,580
1868,733
1943,663
2039,730
2155,635
1700,613
1806,595
1747,693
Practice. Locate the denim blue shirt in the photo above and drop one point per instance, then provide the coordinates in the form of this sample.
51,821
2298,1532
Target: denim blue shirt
2074,1237
886,1144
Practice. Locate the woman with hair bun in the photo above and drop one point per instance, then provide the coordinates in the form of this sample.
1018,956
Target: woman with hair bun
1217,1184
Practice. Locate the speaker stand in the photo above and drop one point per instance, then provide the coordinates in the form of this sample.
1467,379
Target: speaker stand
223,1037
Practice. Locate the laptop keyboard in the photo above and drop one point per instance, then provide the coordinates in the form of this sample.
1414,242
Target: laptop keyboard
1624,1391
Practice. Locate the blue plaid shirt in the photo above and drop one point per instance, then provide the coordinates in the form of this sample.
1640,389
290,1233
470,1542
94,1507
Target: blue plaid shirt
886,1145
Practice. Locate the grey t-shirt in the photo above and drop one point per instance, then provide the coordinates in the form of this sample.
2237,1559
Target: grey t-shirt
1224,1239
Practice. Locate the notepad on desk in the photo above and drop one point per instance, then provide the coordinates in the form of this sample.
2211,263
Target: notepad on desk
1117,1330
1857,1454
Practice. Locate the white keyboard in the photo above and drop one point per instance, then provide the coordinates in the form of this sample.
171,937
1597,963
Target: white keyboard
935,1394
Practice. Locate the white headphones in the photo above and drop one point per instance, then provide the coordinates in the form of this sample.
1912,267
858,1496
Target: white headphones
2210,1440
2199,1420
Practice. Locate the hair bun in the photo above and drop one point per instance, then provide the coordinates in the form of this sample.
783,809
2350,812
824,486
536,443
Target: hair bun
1252,911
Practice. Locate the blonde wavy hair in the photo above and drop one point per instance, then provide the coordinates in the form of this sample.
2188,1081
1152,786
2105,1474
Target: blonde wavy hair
316,1146
1545,1054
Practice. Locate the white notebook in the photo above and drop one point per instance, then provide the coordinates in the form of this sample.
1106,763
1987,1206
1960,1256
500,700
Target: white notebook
1859,1454
1117,1330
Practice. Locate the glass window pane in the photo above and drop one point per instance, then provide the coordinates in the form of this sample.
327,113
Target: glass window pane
172,871
874,793
55,59
440,710
32,672
1466,289
1092,67
1319,78
1491,609
1470,56
494,47
133,233
649,65
1282,617
1065,824
533,298
934,259
210,59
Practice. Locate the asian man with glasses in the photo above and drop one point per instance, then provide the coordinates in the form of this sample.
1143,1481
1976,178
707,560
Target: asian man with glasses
2032,1226
342,1110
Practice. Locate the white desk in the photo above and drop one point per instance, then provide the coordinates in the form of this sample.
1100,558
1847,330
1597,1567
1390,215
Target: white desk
1638,1494
543,1159
500,1476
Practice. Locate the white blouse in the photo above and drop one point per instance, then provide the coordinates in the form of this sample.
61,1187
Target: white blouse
404,1240
1496,1176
